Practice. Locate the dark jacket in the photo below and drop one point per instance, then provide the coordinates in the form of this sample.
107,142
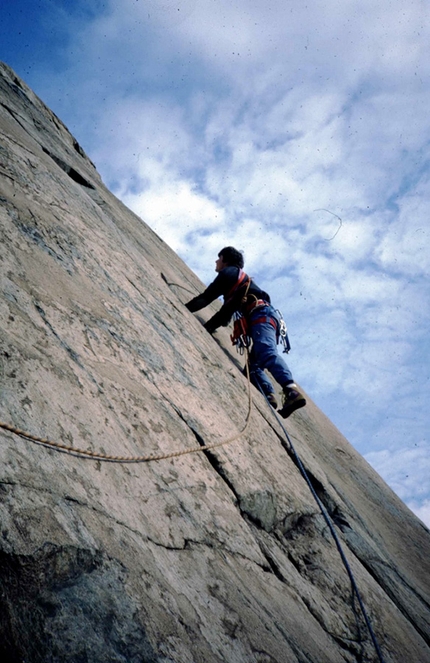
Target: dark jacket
223,285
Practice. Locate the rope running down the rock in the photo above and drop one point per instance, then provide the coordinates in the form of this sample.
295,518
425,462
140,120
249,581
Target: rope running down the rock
93,455
329,523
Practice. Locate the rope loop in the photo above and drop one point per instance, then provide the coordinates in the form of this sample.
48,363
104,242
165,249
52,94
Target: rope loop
93,455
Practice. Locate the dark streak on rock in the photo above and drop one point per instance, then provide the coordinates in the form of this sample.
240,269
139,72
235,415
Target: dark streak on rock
71,172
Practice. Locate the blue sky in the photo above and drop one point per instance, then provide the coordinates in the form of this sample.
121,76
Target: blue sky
298,133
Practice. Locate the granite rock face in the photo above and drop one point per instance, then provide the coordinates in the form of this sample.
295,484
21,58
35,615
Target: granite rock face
219,556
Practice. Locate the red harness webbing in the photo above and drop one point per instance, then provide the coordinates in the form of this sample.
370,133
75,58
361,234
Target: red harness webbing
241,278
264,318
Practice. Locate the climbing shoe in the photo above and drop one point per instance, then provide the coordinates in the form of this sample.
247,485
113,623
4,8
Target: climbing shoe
272,400
292,400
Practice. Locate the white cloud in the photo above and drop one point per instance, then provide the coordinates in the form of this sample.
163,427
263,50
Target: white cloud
407,471
406,242
175,212
421,509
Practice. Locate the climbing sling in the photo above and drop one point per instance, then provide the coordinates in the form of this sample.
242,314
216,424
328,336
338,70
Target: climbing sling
240,337
242,276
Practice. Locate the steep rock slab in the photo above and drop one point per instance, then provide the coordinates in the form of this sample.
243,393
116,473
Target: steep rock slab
214,556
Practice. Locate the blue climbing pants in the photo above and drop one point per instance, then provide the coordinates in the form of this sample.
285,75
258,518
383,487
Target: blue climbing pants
263,329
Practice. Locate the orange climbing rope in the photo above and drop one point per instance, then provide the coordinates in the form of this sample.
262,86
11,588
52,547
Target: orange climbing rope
93,455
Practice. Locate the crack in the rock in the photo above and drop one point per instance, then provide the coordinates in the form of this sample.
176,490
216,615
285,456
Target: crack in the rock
13,114
333,510
69,170
121,523
251,522
402,579
347,644
17,142
213,460
72,354
273,566
394,596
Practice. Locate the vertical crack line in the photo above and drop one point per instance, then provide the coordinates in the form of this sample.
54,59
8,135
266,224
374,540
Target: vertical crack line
213,460
72,354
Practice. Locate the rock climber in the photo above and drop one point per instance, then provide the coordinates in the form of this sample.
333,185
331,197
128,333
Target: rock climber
242,294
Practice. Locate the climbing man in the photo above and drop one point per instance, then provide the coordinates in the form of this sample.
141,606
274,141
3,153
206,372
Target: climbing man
241,294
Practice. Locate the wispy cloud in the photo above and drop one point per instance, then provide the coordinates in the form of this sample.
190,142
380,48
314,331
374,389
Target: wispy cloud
406,470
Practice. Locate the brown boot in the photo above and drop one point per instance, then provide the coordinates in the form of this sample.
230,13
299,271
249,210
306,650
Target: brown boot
293,400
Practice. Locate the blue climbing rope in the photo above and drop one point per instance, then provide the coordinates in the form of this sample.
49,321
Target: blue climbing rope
331,528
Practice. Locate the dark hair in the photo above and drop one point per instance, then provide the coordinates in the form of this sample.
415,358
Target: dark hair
231,256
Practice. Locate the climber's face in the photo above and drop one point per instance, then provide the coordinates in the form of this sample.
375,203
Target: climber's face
220,264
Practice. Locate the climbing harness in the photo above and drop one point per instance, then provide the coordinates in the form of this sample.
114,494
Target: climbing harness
265,318
254,303
241,337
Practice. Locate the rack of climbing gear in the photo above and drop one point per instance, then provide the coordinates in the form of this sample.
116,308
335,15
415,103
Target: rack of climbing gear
283,333
240,337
